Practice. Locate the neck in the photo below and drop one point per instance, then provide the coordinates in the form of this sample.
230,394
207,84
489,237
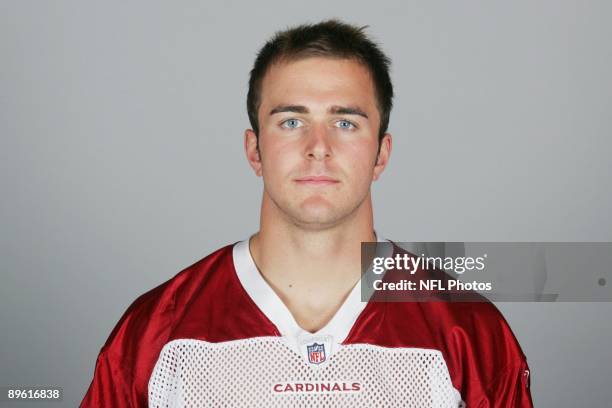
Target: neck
311,269
282,243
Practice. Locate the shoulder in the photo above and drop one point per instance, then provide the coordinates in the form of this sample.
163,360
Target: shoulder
440,313
150,317
129,354
467,329
458,328
479,348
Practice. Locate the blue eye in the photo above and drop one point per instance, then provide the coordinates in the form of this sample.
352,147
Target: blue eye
345,124
291,124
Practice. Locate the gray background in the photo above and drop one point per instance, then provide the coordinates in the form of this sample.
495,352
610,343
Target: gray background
121,158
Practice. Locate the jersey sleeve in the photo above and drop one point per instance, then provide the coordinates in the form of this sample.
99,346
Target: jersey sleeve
485,361
110,386
509,389
493,368
126,360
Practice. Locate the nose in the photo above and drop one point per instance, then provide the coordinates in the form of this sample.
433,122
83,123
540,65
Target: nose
318,146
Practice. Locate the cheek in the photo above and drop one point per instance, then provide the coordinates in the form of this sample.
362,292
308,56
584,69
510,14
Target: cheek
278,158
360,158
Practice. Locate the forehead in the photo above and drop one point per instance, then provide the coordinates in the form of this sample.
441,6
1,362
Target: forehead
318,80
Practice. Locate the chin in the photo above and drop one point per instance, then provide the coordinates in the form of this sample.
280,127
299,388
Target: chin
315,225
318,217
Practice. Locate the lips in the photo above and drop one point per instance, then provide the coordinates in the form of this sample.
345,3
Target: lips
317,180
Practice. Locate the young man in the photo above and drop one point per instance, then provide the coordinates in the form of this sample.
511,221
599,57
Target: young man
277,319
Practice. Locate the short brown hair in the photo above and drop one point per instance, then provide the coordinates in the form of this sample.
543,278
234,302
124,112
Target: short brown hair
330,38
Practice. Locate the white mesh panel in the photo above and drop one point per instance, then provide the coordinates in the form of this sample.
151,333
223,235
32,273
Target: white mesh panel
243,373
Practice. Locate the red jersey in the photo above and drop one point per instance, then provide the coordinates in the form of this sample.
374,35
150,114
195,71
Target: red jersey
218,335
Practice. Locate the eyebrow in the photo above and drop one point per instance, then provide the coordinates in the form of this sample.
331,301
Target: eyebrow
289,108
335,110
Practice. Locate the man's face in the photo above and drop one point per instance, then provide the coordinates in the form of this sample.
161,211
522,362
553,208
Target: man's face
318,139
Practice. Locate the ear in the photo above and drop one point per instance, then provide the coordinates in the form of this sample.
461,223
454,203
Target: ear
383,156
252,151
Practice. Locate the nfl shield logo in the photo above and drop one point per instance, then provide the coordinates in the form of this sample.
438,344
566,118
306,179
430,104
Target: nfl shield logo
316,353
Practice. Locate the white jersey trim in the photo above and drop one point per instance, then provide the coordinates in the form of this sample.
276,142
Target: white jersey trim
334,332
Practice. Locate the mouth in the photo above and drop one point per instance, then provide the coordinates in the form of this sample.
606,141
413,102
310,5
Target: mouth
317,181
